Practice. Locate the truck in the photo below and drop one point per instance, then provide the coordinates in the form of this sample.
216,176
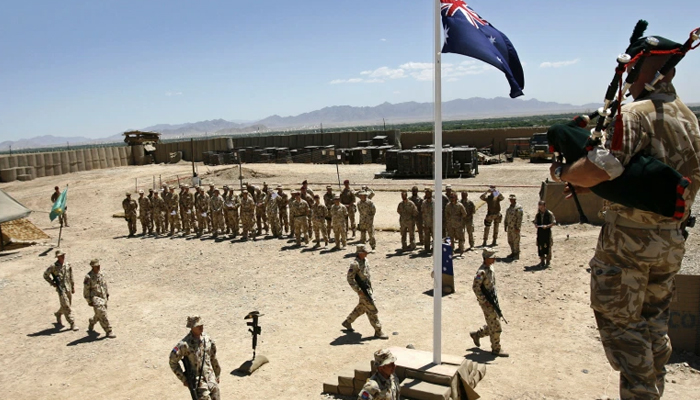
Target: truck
539,148
517,147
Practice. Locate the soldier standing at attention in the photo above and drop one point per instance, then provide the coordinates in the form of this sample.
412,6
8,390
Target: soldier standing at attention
328,201
210,193
186,207
231,204
96,294
216,208
282,203
273,213
260,216
181,207
407,220
347,198
299,210
60,276
130,207
544,221
427,209
383,384
485,280
144,213
173,204
198,352
166,199
470,208
359,280
308,198
318,215
201,204
62,217
305,187
370,192
152,223
512,223
493,199
455,214
159,210
416,199
366,209
339,215
247,215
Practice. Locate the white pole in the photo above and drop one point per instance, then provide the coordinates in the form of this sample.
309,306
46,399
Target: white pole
437,217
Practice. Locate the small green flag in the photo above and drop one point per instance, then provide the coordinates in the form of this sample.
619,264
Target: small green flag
59,207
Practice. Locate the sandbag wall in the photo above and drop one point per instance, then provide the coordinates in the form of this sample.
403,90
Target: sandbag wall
29,166
163,150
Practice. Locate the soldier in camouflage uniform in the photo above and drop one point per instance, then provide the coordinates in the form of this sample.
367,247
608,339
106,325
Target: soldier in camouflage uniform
318,216
383,384
96,294
201,205
181,207
493,199
216,208
485,279
299,210
186,210
144,213
173,204
60,276
200,352
247,215
165,195
260,214
470,208
231,205
544,222
309,199
427,209
370,192
210,193
347,198
512,223
417,200
159,211
639,252
152,223
366,209
305,188
455,214
273,213
339,215
359,274
62,218
407,221
282,203
130,207
328,201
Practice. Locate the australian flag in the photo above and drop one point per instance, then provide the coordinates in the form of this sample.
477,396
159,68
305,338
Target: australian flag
468,34
447,259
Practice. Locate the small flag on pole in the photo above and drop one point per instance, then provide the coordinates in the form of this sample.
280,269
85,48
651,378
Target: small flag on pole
59,207
447,267
468,34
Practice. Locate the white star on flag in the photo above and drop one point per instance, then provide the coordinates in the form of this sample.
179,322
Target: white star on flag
445,30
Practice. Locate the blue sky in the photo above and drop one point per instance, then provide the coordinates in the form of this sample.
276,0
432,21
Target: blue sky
97,68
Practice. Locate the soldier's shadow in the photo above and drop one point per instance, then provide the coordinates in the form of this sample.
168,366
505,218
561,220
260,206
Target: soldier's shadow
291,247
505,260
398,253
329,250
421,254
91,337
480,356
533,268
350,338
48,332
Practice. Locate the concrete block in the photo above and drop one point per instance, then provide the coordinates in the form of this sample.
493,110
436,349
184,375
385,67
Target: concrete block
419,390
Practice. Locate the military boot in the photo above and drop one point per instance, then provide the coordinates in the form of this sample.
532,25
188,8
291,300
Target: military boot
111,335
380,335
500,353
494,243
58,319
475,338
347,325
91,325
73,327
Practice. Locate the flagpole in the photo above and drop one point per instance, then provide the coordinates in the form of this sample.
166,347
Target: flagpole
437,173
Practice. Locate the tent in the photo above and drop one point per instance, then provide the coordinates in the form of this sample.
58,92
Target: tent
10,210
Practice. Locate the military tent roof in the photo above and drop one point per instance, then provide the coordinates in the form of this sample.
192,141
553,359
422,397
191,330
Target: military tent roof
11,209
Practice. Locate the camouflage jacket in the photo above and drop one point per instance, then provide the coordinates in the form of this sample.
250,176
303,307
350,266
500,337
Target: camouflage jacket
216,204
201,203
379,388
299,208
338,213
359,268
197,352
64,275
367,210
407,211
319,212
470,208
144,205
347,196
130,207
95,289
455,215
493,203
247,206
486,275
514,217
158,205
427,209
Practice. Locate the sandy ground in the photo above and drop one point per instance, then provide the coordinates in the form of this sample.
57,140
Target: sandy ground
303,294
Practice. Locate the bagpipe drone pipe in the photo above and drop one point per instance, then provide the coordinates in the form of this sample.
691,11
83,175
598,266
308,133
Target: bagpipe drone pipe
646,183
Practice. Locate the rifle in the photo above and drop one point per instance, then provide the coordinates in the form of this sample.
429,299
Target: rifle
256,330
365,288
493,300
190,378
57,282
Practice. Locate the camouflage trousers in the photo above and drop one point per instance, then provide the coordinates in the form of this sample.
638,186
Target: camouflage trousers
366,307
470,232
419,224
284,218
494,219
340,233
208,389
514,241
63,219
202,221
174,220
300,229
408,229
320,229
273,219
65,299
492,329
188,220
247,224
350,220
456,232
632,283
217,220
367,230
231,217
261,219
158,218
100,308
146,223
131,223
427,236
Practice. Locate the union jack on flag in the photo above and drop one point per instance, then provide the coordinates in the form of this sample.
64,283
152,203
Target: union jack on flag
468,34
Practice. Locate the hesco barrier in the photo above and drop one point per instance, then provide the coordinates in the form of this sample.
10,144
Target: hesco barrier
474,138
37,165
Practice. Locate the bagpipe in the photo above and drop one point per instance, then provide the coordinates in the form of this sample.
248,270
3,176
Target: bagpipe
646,183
